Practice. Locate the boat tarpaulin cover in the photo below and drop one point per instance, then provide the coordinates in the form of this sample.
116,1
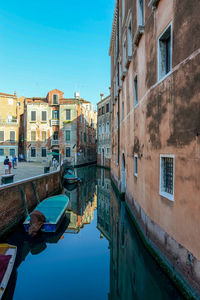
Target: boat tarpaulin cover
36,221
4,261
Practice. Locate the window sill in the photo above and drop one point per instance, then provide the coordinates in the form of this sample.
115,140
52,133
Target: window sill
43,121
153,4
167,196
32,121
128,61
123,75
138,34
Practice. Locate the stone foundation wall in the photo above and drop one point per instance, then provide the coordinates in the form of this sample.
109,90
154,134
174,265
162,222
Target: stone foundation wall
18,198
180,258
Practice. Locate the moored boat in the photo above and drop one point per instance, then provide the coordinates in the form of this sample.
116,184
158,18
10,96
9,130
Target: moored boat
53,209
70,178
7,260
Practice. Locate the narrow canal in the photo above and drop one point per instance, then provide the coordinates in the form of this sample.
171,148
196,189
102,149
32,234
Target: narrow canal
96,253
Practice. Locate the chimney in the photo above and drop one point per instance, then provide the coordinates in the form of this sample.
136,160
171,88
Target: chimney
101,96
15,94
77,95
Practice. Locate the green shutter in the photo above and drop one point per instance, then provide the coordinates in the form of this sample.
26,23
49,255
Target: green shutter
67,135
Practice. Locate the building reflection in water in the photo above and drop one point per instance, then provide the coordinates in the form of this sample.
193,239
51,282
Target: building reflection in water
133,272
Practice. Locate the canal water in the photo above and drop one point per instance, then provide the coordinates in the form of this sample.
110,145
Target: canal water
95,254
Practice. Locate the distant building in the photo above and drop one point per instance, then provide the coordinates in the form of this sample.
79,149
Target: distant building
9,126
103,132
59,127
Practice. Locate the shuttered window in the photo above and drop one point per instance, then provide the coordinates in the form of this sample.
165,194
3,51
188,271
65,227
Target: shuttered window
2,136
44,116
12,136
67,132
68,114
33,116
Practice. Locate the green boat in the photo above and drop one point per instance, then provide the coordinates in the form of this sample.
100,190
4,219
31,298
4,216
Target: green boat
53,209
70,178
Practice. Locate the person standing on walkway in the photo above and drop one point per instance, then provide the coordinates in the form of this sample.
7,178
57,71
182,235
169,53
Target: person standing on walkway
6,164
13,162
10,166
54,163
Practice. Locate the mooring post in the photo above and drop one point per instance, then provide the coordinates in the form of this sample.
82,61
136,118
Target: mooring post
35,192
23,196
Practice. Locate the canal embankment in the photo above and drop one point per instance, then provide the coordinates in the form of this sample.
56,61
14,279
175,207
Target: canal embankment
18,198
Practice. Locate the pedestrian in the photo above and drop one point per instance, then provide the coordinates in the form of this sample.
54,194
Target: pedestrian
54,163
13,162
6,164
10,166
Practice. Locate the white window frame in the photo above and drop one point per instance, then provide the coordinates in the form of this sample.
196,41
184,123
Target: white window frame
159,76
161,192
135,169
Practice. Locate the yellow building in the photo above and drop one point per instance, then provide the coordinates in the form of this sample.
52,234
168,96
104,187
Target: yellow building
9,125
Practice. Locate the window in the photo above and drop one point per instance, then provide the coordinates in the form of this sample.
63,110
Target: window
135,91
1,136
68,152
55,114
55,99
55,136
68,114
12,136
102,128
103,110
107,107
10,101
167,176
33,135
44,116
85,137
44,152
124,55
44,136
33,116
123,9
99,129
108,151
107,127
129,39
122,111
12,152
164,53
117,120
136,165
2,152
33,152
99,111
140,11
67,134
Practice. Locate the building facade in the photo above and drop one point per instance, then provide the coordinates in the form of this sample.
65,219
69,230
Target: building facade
59,127
155,94
103,132
9,126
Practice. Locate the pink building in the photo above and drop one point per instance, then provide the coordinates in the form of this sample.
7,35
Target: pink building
155,137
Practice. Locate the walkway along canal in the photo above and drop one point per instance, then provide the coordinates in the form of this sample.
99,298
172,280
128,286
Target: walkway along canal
96,253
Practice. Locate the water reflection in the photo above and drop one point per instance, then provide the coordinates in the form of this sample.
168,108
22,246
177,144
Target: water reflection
103,260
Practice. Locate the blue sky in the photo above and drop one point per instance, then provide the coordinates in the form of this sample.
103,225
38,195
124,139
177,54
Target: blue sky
55,44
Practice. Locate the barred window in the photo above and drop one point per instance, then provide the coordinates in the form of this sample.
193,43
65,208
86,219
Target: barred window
44,152
33,152
167,177
12,152
68,152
